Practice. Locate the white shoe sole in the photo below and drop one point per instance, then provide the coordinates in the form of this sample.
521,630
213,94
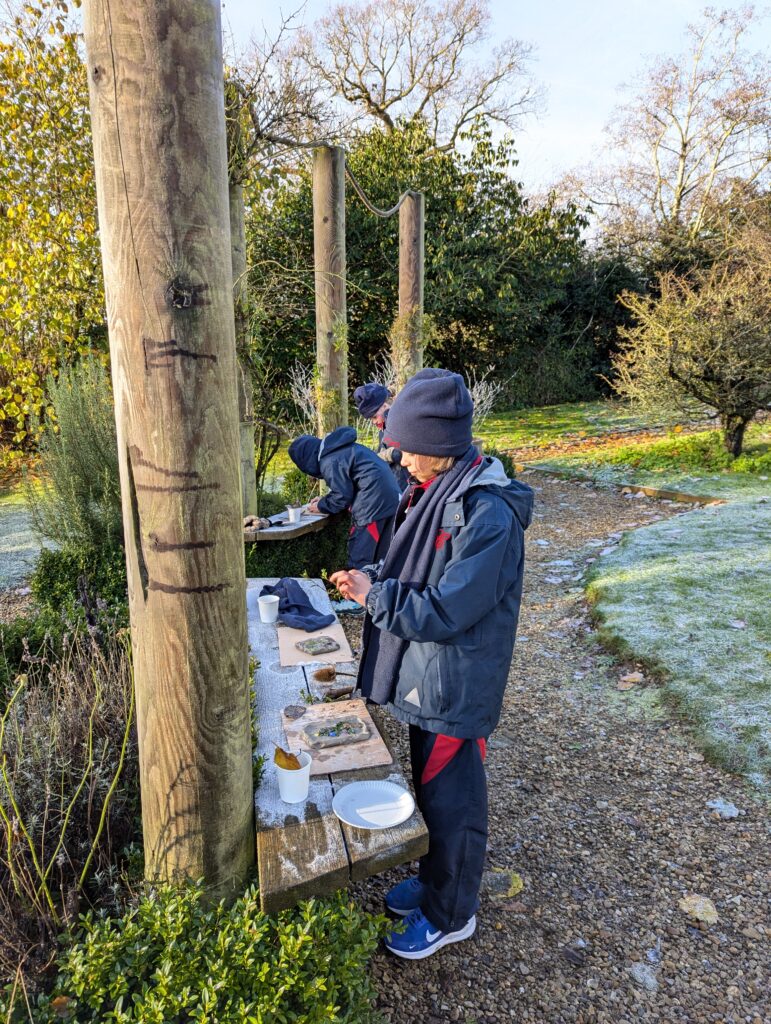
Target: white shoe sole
463,933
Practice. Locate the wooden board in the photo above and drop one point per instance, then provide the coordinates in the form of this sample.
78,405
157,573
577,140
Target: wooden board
366,754
290,655
287,531
298,861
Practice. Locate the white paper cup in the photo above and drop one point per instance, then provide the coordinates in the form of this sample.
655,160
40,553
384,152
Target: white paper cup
293,783
295,514
268,605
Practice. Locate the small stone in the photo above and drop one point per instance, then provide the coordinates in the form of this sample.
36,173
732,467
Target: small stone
751,933
500,884
524,969
724,808
644,976
699,907
602,805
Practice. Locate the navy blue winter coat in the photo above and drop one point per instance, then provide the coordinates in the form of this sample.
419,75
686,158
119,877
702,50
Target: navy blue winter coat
356,477
461,626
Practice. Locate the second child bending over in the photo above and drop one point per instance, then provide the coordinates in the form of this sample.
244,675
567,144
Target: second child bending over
357,480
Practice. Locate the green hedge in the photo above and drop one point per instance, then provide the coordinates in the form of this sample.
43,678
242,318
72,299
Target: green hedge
56,579
304,556
173,958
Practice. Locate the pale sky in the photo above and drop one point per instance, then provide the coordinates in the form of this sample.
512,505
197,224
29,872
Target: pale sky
583,52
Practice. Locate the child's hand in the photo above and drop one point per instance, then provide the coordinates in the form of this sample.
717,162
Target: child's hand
353,584
313,506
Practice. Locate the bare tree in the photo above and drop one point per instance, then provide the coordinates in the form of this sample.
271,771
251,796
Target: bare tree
411,58
695,128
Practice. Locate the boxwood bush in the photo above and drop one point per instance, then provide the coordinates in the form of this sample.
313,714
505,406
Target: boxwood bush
174,958
304,556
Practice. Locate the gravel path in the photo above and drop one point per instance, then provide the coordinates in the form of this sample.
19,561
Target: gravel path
598,803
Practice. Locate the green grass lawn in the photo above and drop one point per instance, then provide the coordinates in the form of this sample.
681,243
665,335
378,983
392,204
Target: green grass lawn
689,597
552,425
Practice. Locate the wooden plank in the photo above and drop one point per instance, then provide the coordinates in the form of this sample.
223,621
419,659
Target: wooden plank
298,861
287,531
300,848
373,851
365,754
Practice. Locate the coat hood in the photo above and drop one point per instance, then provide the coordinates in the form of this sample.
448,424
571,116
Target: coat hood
518,496
340,438
304,452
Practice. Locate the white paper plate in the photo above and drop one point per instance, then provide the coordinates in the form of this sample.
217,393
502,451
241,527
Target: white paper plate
373,804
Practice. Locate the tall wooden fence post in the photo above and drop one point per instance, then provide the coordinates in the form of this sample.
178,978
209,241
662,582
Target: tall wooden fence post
156,86
329,264
241,311
408,338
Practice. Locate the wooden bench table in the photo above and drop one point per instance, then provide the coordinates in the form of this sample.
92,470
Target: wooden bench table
304,849
284,530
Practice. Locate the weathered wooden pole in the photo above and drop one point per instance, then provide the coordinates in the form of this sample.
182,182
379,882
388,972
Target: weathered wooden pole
156,86
329,265
408,338
241,311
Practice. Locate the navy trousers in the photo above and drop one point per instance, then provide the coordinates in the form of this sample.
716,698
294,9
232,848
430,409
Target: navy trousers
368,544
451,790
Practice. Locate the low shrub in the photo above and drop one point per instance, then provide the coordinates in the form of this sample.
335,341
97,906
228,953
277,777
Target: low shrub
76,502
68,793
308,555
25,638
505,459
174,958
61,576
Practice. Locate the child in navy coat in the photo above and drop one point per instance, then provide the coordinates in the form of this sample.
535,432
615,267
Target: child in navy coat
373,402
357,480
442,610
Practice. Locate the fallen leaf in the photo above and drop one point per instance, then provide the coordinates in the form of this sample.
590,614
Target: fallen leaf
737,624
633,677
61,1005
624,684
699,907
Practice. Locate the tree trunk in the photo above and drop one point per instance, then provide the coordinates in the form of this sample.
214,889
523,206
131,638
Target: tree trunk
407,350
329,261
155,81
241,312
733,432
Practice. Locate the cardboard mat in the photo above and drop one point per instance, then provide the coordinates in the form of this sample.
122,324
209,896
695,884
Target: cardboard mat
365,754
290,655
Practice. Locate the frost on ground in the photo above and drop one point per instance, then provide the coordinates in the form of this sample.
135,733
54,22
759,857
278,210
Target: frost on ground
690,595
19,548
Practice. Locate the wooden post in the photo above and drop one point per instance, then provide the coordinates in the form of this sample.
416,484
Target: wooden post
408,337
241,311
155,81
329,265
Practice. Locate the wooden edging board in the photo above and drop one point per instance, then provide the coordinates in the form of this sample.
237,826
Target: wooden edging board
308,851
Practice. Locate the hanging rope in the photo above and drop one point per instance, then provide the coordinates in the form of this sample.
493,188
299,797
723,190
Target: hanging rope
371,206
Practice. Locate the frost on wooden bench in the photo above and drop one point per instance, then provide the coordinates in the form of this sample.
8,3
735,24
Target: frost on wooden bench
304,849
284,530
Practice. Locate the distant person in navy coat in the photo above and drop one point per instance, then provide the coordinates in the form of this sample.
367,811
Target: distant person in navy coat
373,402
357,480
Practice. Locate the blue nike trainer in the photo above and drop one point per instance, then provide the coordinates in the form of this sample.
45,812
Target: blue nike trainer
421,939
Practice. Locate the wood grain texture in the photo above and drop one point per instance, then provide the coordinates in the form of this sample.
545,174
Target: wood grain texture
330,271
156,90
411,281
295,862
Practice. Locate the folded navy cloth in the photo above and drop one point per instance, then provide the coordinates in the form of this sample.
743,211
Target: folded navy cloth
294,607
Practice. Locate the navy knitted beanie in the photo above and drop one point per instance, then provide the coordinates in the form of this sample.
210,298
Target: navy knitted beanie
369,397
431,415
304,452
